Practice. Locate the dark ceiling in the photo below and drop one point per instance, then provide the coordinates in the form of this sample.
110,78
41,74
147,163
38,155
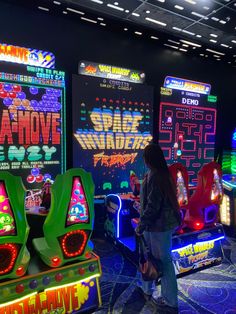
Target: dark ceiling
206,28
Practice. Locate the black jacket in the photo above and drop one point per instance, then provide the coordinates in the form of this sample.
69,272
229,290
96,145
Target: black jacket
157,213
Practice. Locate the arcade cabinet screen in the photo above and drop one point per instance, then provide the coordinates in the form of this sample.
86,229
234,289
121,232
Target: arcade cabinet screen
112,123
187,127
78,211
7,221
31,124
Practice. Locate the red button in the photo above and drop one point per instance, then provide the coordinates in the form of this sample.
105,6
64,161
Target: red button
20,288
59,277
81,271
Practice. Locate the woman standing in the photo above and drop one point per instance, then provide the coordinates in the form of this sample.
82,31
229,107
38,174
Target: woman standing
158,219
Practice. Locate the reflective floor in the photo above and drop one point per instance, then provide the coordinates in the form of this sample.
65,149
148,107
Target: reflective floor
212,290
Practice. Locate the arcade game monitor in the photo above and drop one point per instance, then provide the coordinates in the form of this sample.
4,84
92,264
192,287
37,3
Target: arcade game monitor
32,101
112,123
187,124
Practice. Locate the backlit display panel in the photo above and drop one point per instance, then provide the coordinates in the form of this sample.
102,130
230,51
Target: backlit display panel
187,128
112,123
7,221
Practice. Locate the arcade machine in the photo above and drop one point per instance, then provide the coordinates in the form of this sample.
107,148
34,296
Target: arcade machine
112,123
187,126
228,207
32,131
197,243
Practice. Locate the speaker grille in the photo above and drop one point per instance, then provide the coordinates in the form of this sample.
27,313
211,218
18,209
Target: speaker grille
8,256
73,243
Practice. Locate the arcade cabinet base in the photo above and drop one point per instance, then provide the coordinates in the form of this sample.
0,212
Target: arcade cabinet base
190,251
73,288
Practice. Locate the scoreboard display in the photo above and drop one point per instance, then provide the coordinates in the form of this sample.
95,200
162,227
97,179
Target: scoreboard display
187,128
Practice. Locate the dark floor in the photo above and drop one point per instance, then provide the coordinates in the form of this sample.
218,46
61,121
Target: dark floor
212,290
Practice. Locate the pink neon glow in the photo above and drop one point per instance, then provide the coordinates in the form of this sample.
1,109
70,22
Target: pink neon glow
78,211
7,222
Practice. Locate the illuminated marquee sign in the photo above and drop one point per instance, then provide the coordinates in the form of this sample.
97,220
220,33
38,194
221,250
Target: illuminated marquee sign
29,56
187,85
66,299
110,72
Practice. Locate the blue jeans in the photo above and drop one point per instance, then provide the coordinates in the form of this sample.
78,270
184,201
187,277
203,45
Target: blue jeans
160,245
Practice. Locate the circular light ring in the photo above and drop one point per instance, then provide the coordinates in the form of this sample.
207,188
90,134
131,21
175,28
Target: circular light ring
74,242
8,255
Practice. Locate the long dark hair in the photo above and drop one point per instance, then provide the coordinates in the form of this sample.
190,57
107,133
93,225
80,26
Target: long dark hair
155,160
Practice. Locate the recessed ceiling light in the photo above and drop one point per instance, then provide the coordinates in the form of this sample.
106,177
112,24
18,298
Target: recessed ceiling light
148,11
181,49
155,21
199,36
64,12
185,45
135,14
88,20
177,29
43,9
216,56
213,41
126,11
190,1
154,37
213,51
125,29
161,1
57,2
194,47
206,8
103,24
173,41
223,45
199,15
190,43
222,22
138,33
179,7
75,11
187,32
201,54
100,18
174,47
97,1
233,41
229,62
115,7
116,3
213,35
215,18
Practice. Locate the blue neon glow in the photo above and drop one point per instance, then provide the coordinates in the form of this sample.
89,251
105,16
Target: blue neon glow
234,139
198,243
118,215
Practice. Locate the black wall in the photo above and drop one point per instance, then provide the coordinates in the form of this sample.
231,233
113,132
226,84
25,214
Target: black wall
72,40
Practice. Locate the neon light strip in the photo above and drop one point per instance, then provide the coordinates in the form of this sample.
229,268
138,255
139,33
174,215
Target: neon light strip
229,184
73,283
118,215
197,243
18,300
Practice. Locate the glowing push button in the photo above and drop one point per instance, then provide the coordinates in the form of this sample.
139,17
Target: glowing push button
6,292
58,277
92,268
20,288
33,284
81,271
46,280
